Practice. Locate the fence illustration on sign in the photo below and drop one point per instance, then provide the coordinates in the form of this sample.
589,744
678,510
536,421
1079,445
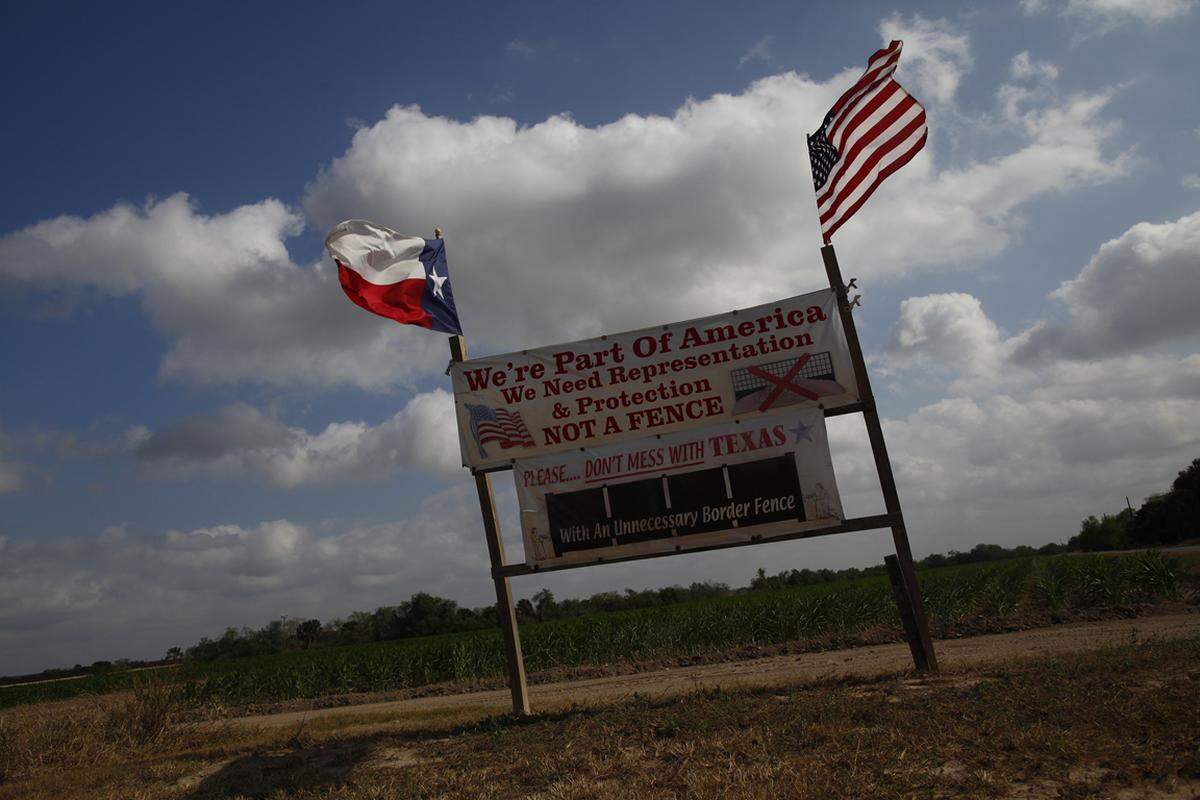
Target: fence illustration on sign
808,377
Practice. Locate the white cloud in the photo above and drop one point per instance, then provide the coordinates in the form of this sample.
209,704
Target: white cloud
224,291
947,333
241,440
549,225
1024,67
1021,450
574,215
936,55
124,594
1137,291
759,51
1102,16
1115,12
1190,181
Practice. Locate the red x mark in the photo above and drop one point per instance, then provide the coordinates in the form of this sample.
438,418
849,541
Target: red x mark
783,384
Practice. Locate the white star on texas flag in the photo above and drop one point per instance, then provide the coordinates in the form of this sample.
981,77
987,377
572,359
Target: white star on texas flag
438,280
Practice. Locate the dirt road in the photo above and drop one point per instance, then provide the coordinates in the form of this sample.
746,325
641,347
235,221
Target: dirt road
857,662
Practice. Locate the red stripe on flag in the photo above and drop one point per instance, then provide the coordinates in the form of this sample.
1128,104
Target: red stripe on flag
892,50
846,161
883,173
850,119
865,168
397,301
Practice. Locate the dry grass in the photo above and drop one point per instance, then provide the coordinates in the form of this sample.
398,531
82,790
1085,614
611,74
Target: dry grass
1123,722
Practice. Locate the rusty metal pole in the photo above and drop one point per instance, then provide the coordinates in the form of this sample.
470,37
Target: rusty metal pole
923,655
504,599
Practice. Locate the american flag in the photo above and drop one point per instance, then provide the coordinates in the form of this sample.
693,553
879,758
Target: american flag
874,129
506,428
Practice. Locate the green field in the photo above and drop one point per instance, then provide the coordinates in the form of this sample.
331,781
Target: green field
968,598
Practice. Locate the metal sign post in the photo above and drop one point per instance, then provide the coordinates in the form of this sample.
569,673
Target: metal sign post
909,591
504,599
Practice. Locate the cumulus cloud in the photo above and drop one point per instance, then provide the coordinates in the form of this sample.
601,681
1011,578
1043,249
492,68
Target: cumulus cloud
947,333
559,210
1021,450
1102,16
1137,291
223,289
1059,416
123,593
937,54
548,225
242,440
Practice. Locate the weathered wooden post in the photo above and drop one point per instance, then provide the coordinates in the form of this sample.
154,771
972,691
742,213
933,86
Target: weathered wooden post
922,647
504,600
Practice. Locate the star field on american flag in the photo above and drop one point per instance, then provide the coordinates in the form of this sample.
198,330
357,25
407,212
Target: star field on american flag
823,155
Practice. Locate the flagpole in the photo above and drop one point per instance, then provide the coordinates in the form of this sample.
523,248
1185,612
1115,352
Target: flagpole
506,612
504,599
907,589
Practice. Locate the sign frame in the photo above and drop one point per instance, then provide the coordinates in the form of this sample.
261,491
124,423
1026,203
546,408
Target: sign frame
901,568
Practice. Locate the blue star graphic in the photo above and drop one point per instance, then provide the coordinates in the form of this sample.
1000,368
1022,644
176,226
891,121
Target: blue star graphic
801,431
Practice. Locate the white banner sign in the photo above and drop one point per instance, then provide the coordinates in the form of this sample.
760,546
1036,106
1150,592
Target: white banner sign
653,381
767,476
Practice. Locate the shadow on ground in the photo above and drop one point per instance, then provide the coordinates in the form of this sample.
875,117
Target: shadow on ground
259,774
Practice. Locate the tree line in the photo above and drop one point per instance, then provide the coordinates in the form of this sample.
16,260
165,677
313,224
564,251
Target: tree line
425,614
1162,520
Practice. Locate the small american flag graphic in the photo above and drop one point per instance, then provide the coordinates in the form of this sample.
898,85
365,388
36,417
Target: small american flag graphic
505,428
874,129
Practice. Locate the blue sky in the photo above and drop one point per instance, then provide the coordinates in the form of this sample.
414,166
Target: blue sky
197,430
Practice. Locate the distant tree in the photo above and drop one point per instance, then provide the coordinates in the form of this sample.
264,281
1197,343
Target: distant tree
308,631
525,610
174,654
1109,532
1173,516
544,605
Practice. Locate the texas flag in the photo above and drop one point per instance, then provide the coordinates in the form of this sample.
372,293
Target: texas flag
395,276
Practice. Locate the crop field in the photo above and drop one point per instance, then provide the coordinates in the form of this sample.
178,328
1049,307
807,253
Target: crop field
970,598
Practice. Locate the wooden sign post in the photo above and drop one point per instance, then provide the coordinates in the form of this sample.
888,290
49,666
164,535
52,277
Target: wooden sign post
908,592
505,609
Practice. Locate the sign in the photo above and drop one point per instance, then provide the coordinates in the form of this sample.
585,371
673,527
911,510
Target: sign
653,381
721,483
